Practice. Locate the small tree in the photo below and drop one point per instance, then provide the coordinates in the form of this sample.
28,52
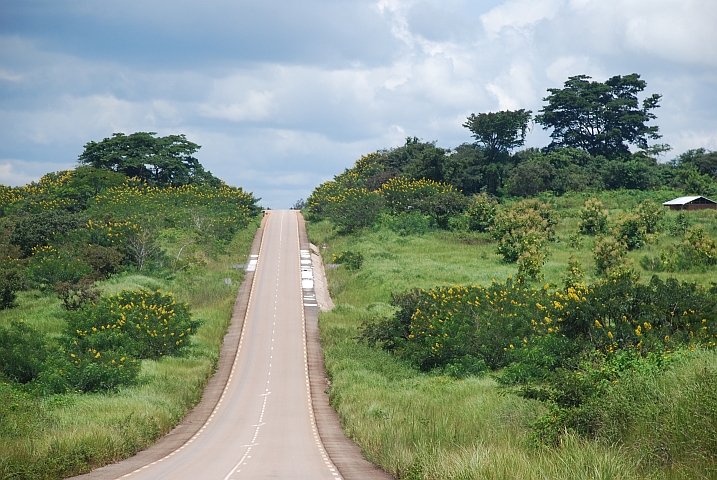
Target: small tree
525,224
650,214
631,230
608,253
12,280
497,133
593,220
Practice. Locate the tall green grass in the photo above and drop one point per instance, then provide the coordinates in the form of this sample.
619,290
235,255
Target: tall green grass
64,435
418,425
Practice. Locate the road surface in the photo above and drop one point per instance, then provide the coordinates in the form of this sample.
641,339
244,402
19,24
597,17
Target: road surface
263,426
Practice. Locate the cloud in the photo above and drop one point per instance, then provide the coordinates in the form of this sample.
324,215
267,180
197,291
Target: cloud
284,95
15,172
518,15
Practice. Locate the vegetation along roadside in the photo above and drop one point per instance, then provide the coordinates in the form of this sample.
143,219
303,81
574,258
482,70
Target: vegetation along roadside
529,314
117,285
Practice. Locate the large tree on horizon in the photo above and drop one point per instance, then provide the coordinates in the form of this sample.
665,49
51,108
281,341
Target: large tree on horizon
158,160
602,118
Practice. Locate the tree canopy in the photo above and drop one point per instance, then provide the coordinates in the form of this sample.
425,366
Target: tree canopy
602,118
157,160
499,132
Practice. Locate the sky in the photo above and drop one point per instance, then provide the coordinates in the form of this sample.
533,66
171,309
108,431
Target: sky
283,95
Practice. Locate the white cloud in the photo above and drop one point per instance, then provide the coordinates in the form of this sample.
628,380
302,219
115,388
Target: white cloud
255,107
518,14
514,89
15,172
9,76
568,66
681,31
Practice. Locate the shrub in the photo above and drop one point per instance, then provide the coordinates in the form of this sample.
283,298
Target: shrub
140,323
530,262
12,280
410,223
574,241
354,208
103,260
22,352
631,230
481,212
38,229
49,266
593,220
650,214
526,224
698,248
608,253
352,260
72,369
74,295
435,199
680,226
392,332
574,274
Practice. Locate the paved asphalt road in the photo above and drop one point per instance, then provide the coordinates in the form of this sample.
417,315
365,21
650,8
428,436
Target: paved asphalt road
263,427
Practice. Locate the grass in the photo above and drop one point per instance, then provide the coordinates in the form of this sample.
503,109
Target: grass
418,425
64,435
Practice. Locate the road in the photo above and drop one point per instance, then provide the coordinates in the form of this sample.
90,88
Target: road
263,426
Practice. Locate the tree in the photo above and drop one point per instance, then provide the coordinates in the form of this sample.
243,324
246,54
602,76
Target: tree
157,160
600,118
499,132
704,161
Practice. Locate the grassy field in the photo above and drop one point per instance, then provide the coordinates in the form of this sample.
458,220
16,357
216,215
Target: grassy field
64,435
419,425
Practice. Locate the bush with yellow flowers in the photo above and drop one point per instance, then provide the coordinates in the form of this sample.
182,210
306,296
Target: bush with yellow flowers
146,324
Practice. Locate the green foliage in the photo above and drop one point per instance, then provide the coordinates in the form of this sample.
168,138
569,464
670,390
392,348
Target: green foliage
408,223
497,133
12,280
39,229
352,260
575,241
156,160
602,118
392,332
531,177
680,225
608,253
481,212
22,352
631,230
531,261
524,225
574,274
697,250
455,327
630,174
140,323
48,266
651,215
354,209
705,162
593,220
103,260
75,295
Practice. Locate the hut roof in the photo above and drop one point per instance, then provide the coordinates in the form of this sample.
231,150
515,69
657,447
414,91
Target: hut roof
687,200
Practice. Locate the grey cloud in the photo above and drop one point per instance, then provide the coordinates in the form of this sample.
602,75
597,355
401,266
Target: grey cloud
284,95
